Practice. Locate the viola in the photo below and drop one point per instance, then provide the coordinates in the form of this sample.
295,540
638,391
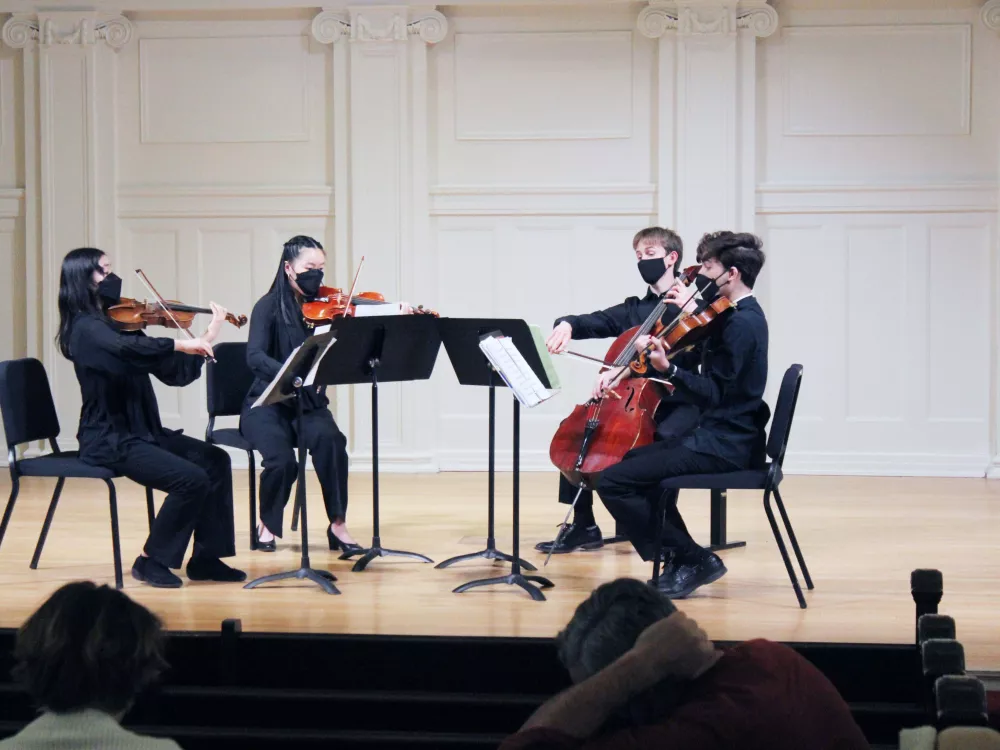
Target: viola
331,303
135,315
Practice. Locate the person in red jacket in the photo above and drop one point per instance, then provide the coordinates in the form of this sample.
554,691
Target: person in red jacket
647,677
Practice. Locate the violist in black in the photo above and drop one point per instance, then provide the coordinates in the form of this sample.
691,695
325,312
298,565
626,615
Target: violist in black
120,425
658,252
729,394
276,328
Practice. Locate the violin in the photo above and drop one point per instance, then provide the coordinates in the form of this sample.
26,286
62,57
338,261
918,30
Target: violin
331,303
135,315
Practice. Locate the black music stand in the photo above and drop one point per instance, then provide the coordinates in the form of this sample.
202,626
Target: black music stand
461,338
517,330
289,384
386,349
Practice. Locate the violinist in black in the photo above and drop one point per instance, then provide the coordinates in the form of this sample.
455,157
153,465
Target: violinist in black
120,424
276,328
729,392
658,252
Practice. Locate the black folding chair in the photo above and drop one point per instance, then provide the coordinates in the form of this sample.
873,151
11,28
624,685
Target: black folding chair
767,479
29,415
229,380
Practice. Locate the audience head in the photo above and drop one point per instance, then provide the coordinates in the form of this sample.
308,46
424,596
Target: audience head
607,624
88,646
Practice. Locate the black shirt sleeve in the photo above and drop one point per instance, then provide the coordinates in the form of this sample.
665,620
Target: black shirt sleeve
94,344
262,321
602,324
706,390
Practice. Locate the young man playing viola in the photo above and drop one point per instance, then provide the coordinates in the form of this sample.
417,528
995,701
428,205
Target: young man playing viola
728,392
658,252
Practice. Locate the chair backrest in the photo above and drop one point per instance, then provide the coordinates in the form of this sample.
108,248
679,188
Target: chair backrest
229,379
29,413
784,410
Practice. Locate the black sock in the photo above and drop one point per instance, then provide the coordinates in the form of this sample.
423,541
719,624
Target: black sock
584,517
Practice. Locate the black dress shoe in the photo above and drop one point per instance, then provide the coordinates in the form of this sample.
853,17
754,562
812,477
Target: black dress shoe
689,575
668,565
156,574
349,548
576,536
260,546
213,569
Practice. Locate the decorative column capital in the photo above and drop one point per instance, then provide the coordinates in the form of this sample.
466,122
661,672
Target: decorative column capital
688,17
991,15
390,23
69,27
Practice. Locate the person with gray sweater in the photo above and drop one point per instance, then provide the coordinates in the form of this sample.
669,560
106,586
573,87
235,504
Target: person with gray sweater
84,656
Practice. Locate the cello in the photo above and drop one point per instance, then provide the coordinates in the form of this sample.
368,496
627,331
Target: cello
599,432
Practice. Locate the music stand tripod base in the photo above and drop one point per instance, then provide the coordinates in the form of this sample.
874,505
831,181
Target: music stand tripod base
376,550
324,579
490,553
512,579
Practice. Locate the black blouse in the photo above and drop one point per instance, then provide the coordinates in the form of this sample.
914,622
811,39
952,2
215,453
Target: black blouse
113,369
270,342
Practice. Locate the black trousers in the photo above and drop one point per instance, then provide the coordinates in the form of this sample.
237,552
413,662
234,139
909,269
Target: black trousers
271,430
198,481
679,420
630,492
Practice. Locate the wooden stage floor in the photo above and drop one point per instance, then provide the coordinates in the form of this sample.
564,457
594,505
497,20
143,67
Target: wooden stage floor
861,538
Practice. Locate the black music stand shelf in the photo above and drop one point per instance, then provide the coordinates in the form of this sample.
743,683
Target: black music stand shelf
461,338
289,385
519,332
381,349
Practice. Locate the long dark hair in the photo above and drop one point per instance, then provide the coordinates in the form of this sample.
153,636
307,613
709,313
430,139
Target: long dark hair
77,293
281,288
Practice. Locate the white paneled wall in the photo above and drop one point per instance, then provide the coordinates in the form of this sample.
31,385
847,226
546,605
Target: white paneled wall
490,160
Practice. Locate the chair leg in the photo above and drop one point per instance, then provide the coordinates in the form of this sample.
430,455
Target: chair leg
781,547
253,500
15,489
115,540
661,519
48,522
793,540
150,509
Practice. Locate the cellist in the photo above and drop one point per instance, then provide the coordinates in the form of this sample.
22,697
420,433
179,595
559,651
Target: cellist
658,252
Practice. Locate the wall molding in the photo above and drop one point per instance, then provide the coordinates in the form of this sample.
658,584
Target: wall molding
11,203
991,15
970,197
544,200
219,201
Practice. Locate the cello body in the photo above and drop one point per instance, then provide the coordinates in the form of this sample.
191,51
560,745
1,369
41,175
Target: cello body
598,434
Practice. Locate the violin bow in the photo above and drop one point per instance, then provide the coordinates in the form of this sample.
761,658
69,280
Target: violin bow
164,306
350,295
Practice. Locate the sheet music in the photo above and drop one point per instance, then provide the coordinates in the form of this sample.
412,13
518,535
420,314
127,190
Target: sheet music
277,379
311,377
515,370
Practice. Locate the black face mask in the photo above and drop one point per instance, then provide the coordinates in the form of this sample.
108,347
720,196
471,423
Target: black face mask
109,290
652,269
310,281
707,286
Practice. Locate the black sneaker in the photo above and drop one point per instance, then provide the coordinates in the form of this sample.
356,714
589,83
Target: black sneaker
213,569
689,575
574,537
156,574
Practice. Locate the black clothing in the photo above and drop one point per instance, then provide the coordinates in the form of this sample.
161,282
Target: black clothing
729,391
730,388
271,429
120,429
113,368
269,344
